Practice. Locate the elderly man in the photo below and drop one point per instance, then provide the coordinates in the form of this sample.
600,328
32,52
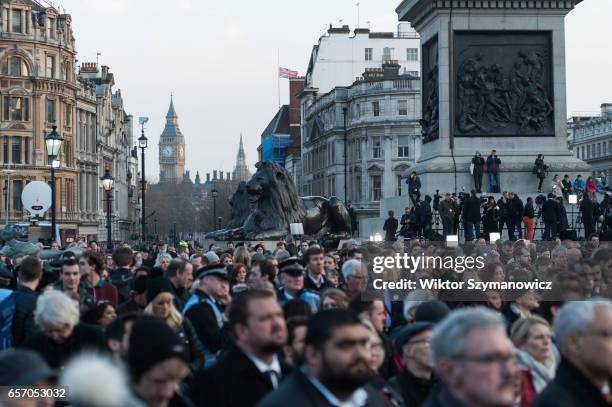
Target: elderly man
355,277
583,333
474,359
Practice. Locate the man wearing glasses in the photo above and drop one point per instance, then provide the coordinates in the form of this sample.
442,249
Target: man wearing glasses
416,381
583,333
474,360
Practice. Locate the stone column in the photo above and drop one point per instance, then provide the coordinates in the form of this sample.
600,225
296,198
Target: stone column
365,196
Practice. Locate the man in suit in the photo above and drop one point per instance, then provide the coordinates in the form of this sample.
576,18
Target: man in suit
315,266
251,368
551,213
335,370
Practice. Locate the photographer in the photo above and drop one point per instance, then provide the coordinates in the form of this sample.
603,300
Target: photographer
540,169
490,217
471,216
414,187
478,164
447,209
493,168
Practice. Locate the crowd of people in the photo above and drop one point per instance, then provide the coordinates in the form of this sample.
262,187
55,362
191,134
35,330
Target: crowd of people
296,324
475,215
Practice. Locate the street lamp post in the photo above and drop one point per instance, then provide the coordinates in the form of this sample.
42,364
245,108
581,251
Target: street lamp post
142,143
214,193
107,185
53,142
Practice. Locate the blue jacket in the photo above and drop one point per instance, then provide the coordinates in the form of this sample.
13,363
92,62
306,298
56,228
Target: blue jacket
579,184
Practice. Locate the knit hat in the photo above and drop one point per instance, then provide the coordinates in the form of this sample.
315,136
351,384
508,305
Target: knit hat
158,285
211,257
19,367
431,311
152,341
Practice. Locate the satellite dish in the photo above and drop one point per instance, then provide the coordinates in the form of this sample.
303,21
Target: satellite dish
36,198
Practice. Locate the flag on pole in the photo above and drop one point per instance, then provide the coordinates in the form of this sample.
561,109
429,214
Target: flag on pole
287,73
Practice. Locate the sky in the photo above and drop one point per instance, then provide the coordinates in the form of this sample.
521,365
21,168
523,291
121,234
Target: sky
219,60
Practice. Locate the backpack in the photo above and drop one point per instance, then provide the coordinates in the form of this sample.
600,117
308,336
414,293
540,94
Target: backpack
7,312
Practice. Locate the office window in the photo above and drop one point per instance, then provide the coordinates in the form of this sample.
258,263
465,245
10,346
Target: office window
598,149
402,146
357,111
50,111
376,147
588,151
402,107
27,151
578,153
399,184
68,116
15,66
16,21
16,150
368,54
582,152
376,187
358,187
412,54
17,190
610,148
604,149
387,54
50,67
16,108
52,27
376,108
5,149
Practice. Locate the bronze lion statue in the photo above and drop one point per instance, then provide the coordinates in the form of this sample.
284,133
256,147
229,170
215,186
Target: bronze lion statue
273,204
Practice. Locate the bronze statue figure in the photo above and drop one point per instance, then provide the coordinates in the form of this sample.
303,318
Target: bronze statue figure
269,203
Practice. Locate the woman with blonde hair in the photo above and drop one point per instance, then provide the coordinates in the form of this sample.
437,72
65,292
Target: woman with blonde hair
242,255
161,305
334,298
163,261
534,351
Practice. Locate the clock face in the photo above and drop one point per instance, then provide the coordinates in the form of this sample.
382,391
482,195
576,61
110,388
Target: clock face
167,151
181,152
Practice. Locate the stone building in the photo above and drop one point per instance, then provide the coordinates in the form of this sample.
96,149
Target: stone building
171,149
591,140
366,134
114,141
39,89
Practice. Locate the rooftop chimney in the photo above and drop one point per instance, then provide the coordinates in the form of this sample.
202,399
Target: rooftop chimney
208,177
214,175
606,109
221,175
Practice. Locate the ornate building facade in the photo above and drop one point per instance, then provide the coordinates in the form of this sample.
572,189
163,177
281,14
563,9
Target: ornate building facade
171,149
366,135
40,88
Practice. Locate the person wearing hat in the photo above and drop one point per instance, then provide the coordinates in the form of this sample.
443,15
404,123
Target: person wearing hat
157,361
138,300
205,309
160,304
417,380
20,367
291,276
211,258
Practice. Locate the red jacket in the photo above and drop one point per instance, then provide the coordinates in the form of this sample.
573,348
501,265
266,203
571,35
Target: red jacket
103,291
528,392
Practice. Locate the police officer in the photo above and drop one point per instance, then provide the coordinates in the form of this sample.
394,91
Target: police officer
291,276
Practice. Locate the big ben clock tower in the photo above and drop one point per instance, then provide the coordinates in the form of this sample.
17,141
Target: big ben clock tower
171,149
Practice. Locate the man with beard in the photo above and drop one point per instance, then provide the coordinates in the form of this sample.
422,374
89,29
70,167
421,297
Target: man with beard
251,368
474,360
335,370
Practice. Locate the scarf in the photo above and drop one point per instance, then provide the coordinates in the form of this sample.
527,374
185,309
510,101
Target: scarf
541,373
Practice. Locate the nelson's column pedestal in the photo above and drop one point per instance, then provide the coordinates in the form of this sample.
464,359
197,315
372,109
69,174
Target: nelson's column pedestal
493,78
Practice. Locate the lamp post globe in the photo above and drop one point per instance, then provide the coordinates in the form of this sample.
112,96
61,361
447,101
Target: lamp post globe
107,184
142,143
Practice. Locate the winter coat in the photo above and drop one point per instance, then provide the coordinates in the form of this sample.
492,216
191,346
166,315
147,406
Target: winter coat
479,164
579,184
493,162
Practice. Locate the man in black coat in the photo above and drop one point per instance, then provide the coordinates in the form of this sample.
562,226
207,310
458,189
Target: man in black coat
251,368
416,381
390,227
335,369
122,276
587,212
352,217
503,204
414,187
551,213
583,331
471,216
30,273
205,309
315,279
515,216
